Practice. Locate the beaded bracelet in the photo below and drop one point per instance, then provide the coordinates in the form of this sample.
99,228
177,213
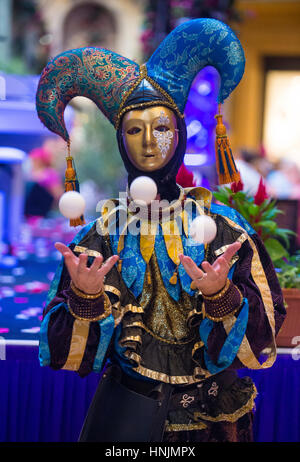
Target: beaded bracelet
227,302
218,294
85,311
83,294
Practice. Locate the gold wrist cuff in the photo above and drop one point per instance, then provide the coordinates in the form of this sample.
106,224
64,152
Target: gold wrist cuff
223,313
221,318
105,314
83,294
219,294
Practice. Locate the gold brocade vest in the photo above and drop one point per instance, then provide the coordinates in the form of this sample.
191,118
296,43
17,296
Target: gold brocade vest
164,318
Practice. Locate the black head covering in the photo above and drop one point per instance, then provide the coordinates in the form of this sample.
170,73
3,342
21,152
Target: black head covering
165,178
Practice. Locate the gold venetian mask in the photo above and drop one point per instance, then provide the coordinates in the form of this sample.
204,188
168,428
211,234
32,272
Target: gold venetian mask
150,137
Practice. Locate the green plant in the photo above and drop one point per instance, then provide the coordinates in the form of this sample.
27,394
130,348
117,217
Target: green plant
260,211
288,272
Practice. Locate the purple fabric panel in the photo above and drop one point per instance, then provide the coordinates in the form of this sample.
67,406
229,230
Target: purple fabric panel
59,337
258,330
93,339
60,330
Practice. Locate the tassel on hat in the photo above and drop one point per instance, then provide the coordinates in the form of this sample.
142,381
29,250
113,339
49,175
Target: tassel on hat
226,168
72,184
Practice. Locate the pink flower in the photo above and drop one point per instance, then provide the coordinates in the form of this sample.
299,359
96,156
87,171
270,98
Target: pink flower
237,186
261,193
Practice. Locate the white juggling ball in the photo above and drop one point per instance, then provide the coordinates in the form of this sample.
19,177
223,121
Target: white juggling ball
71,204
143,189
203,229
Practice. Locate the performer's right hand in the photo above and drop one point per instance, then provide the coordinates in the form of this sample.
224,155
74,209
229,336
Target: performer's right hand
88,280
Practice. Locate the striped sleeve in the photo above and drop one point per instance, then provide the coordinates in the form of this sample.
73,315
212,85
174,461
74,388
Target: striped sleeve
239,340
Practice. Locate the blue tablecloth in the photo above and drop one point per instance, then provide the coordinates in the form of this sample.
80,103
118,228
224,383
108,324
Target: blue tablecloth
41,405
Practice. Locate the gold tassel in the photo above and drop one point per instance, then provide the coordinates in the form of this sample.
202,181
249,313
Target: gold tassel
148,275
71,184
119,265
173,279
226,168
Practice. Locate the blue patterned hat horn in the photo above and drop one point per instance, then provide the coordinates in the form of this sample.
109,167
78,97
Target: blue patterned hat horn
108,78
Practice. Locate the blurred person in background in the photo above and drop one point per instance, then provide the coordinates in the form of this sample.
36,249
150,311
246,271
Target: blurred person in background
44,185
283,182
252,165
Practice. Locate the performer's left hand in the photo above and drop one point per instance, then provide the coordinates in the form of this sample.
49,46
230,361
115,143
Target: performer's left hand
211,278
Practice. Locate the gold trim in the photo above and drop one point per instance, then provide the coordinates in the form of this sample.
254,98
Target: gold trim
235,415
135,324
105,314
80,332
242,238
133,356
131,338
219,294
192,313
221,250
112,289
197,346
82,294
90,252
200,193
133,308
117,313
184,427
174,380
224,318
144,75
261,281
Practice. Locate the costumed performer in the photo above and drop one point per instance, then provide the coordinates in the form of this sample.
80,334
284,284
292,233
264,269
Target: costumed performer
167,321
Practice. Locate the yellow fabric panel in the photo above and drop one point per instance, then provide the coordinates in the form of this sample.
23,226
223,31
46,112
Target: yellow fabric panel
80,334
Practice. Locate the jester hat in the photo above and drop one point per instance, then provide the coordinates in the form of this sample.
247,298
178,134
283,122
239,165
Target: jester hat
109,79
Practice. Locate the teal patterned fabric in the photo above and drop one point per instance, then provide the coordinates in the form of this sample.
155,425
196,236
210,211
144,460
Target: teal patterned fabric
134,265
96,73
44,351
107,326
188,49
233,340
